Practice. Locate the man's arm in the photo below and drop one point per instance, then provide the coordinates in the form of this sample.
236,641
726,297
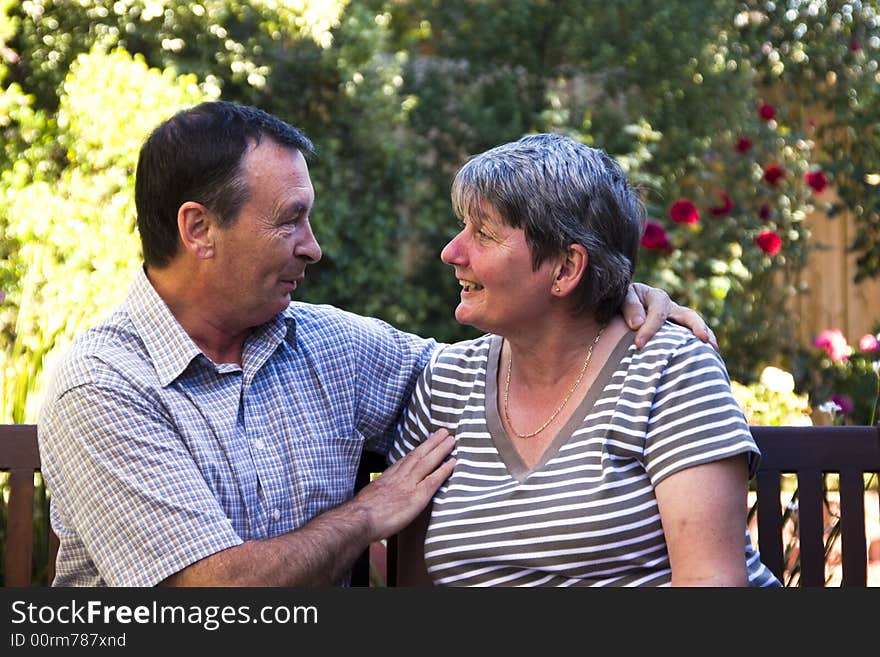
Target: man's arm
138,507
324,549
642,299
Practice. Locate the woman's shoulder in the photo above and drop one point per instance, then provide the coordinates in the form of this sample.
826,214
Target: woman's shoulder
672,338
467,355
476,348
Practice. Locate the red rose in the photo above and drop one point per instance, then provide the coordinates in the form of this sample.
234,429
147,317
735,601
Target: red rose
684,212
816,180
654,237
767,112
769,241
743,145
773,174
725,207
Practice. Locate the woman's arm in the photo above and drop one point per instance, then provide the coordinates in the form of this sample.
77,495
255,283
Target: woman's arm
703,511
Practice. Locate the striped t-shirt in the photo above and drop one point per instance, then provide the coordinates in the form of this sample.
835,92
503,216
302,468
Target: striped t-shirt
586,514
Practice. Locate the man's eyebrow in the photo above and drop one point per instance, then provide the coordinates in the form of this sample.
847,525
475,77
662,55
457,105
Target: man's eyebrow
296,209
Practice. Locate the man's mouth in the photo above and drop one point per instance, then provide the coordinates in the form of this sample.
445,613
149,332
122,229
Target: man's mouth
469,286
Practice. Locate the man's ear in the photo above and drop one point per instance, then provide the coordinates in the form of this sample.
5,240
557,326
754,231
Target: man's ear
571,268
194,224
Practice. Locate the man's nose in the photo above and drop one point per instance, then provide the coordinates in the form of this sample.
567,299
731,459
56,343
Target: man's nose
309,248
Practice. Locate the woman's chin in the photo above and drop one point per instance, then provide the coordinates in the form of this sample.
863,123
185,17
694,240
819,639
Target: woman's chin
462,316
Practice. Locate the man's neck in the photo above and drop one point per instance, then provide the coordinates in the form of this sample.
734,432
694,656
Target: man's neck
190,304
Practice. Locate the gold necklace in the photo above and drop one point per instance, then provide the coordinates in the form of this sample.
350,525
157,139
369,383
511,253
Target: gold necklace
564,401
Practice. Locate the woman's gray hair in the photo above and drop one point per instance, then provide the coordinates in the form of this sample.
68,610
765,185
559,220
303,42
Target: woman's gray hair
561,192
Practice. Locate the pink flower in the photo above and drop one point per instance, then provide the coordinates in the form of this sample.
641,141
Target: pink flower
773,174
684,212
816,180
845,402
834,342
743,145
655,238
855,46
767,112
769,241
869,342
725,207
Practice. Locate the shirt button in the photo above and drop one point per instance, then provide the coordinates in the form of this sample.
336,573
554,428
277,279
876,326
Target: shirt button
276,514
259,444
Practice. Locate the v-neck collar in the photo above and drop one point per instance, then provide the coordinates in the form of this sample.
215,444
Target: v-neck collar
506,449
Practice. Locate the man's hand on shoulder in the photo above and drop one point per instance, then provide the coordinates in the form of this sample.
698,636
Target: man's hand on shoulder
646,308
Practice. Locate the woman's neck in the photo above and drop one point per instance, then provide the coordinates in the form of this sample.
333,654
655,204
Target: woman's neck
545,355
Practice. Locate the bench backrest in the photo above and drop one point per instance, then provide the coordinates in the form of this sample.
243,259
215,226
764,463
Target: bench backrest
20,457
810,453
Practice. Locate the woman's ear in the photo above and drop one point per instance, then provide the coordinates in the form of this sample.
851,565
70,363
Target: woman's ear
570,270
194,224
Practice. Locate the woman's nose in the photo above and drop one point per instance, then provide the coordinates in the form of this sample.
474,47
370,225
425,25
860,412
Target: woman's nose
452,252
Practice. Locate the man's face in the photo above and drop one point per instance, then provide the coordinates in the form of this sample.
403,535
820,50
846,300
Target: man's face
264,254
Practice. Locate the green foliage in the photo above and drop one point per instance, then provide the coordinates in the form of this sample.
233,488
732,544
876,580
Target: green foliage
824,56
67,204
397,95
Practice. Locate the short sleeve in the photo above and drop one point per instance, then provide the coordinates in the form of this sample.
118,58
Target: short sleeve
694,417
139,507
415,424
388,364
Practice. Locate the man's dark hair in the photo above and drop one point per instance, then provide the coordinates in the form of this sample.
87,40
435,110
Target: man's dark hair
197,155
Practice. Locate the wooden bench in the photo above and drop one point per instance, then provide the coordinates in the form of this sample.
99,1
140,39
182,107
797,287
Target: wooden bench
809,452
20,457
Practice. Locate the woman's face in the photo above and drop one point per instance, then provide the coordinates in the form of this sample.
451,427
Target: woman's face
500,291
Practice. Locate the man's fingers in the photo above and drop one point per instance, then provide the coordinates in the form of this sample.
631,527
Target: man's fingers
692,320
659,307
426,457
646,308
441,474
632,309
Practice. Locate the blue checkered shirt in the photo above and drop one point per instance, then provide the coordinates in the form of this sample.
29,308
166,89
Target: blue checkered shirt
156,457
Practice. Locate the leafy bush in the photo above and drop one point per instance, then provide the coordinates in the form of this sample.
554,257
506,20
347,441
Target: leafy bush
734,119
841,378
772,400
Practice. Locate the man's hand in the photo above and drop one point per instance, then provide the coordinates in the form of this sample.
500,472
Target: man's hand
393,500
641,298
320,552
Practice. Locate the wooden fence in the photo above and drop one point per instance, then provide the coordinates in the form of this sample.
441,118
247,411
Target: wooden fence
832,299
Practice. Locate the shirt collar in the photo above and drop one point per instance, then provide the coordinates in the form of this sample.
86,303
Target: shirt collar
169,346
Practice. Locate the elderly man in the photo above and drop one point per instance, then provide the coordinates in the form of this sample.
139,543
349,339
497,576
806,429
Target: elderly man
209,431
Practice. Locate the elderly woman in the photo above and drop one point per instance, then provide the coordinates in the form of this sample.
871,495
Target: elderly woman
580,459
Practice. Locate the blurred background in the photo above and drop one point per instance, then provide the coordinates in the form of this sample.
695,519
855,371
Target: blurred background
753,129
